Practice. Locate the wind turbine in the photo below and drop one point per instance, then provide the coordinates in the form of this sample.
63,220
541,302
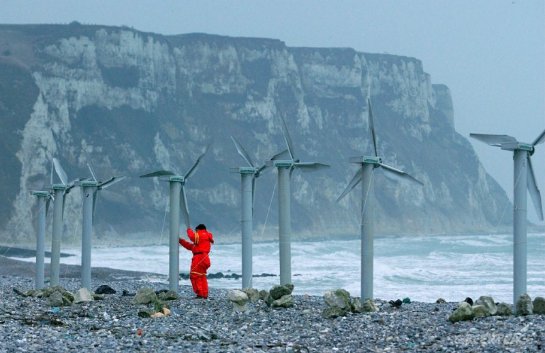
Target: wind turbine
524,178
248,176
178,200
60,190
89,191
44,197
365,175
285,168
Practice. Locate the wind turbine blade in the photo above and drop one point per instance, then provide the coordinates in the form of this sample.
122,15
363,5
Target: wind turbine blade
311,166
242,152
279,155
352,184
183,207
494,140
253,194
158,173
92,172
534,190
63,204
400,173
539,139
372,126
192,169
287,138
95,197
110,182
60,172
260,169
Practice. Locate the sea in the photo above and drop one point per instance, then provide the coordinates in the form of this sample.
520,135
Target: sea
422,268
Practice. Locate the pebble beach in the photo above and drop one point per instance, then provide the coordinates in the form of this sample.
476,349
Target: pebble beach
29,324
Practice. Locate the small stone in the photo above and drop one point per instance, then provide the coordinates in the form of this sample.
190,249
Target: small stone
440,301
356,306
468,300
166,311
396,304
238,298
157,315
406,300
263,294
524,305
539,306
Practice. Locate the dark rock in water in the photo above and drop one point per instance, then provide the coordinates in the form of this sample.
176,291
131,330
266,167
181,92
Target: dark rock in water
469,301
105,289
265,275
396,304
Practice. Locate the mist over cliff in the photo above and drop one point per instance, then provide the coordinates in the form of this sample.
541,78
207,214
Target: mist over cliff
129,102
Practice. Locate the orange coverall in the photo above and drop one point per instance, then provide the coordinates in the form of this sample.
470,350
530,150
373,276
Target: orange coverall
200,246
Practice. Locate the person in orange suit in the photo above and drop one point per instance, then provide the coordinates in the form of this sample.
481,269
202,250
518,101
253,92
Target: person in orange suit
200,245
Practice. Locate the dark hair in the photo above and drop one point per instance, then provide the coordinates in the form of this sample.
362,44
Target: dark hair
200,227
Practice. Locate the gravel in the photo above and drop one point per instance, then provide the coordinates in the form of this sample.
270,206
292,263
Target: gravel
113,324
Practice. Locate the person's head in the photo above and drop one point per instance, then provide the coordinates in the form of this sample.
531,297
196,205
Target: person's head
201,227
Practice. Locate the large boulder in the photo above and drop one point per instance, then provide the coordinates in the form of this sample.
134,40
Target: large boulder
368,306
167,295
504,309
145,296
55,299
83,295
285,301
252,293
488,303
58,296
278,291
463,312
524,305
356,305
539,306
480,311
338,303
105,289
238,298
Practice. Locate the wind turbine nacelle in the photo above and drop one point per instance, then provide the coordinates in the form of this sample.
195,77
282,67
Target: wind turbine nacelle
282,163
366,160
244,170
88,183
520,146
59,187
177,178
40,193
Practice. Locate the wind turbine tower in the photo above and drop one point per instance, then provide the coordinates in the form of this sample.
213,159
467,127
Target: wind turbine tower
43,203
365,175
285,169
524,178
89,192
248,176
178,200
60,190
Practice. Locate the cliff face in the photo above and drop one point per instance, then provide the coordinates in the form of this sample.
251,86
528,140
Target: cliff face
129,102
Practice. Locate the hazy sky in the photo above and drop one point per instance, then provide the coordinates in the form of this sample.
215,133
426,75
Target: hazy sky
490,53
